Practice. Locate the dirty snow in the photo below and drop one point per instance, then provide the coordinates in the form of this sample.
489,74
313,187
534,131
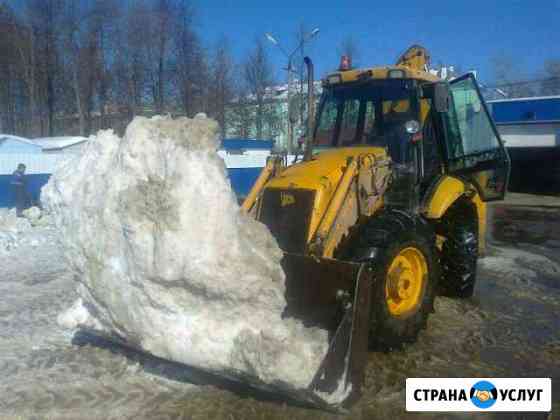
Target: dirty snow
21,231
166,261
51,373
504,331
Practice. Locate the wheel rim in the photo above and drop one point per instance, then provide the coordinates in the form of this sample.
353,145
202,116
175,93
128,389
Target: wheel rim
405,282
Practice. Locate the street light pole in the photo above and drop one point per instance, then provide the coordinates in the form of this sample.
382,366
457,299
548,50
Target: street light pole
308,37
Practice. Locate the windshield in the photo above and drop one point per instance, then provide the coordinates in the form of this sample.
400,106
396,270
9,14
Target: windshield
371,113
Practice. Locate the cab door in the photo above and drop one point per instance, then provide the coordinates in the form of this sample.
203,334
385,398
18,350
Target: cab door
474,149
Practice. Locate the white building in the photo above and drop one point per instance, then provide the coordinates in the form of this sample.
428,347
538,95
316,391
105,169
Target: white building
530,128
241,114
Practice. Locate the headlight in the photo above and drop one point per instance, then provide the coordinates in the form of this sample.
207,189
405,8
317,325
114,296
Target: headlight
334,79
396,74
412,127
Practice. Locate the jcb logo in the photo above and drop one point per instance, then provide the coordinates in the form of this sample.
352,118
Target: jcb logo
287,199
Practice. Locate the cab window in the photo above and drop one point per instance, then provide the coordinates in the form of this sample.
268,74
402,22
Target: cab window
327,124
372,113
469,128
349,124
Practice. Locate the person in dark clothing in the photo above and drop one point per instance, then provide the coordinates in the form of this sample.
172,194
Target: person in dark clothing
20,189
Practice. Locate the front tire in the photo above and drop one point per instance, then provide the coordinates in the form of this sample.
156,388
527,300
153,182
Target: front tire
400,248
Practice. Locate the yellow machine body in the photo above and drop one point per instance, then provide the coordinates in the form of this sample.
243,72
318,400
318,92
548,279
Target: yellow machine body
323,175
380,73
445,193
314,206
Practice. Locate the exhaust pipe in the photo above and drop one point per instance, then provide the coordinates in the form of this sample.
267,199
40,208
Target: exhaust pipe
310,109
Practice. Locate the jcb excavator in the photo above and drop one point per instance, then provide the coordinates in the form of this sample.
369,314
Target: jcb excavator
385,210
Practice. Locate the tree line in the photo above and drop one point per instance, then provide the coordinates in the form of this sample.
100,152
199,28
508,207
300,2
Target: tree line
509,83
74,67
79,66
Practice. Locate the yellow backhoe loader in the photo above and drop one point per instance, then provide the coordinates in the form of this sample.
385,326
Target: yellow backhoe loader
385,210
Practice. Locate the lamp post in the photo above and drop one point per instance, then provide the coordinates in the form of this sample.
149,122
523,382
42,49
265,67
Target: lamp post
290,57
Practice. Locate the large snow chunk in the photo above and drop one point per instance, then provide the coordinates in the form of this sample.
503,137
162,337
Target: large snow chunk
167,262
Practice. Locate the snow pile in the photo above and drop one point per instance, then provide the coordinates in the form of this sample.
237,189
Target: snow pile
17,231
34,215
166,261
9,222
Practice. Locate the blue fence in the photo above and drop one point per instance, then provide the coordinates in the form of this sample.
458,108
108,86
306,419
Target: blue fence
529,110
244,160
244,144
242,179
34,184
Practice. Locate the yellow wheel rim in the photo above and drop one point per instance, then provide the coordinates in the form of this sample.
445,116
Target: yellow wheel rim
405,282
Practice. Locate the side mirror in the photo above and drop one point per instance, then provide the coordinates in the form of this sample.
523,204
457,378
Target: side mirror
441,96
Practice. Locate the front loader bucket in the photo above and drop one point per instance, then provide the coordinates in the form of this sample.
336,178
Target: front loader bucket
334,295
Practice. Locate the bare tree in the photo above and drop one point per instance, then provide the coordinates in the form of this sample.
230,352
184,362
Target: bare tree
106,15
240,114
188,57
9,64
84,22
258,76
73,66
129,70
25,44
73,22
48,21
42,19
221,86
508,78
157,35
551,82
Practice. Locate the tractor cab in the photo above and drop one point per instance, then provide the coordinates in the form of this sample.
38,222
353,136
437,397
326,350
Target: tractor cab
380,113
428,127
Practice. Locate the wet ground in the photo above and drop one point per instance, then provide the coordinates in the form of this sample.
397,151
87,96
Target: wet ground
510,328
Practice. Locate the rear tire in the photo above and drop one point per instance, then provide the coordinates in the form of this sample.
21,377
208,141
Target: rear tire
386,240
459,254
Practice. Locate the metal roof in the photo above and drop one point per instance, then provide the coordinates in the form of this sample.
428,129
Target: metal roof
50,143
4,137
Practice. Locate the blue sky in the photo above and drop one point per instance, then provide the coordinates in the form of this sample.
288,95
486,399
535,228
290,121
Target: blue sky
468,34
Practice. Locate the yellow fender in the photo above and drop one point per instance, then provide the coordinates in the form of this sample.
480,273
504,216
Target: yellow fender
442,196
447,190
